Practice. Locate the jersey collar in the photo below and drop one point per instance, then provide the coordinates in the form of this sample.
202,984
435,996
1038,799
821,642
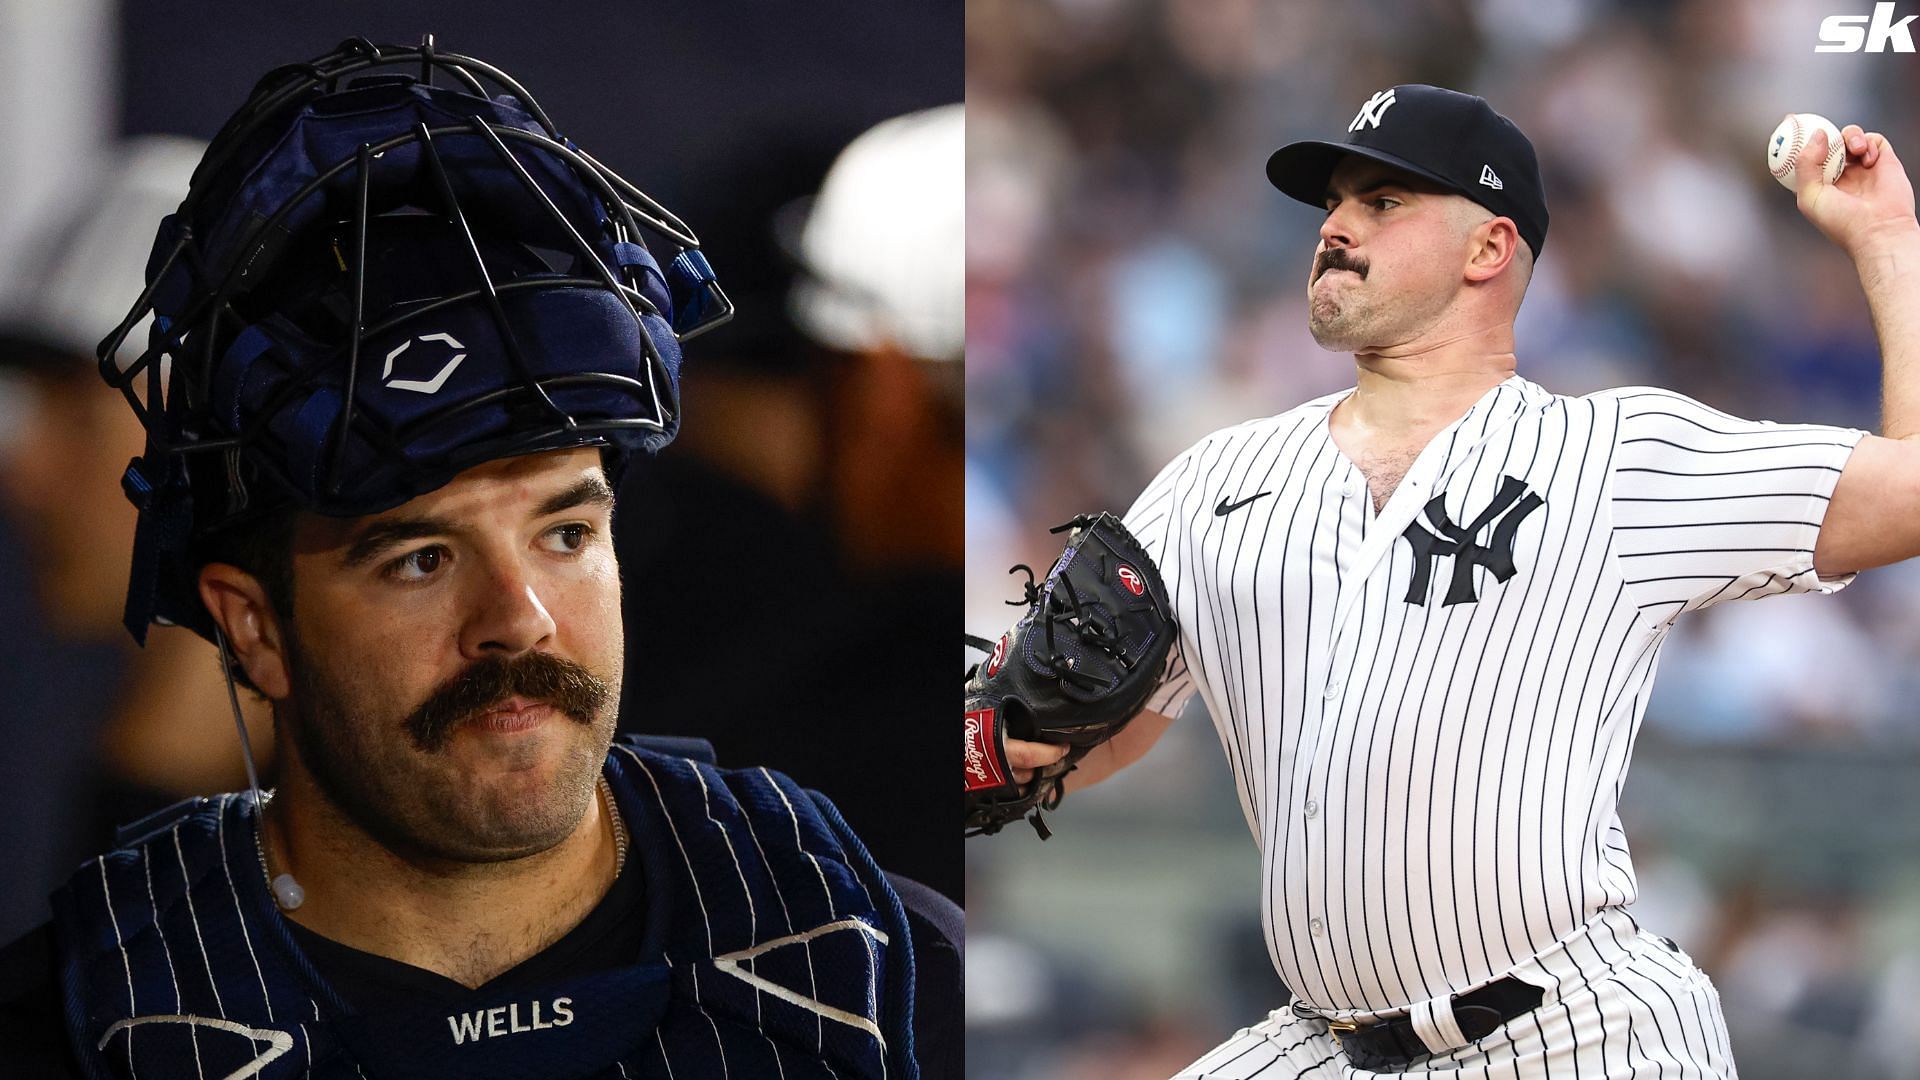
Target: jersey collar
1496,410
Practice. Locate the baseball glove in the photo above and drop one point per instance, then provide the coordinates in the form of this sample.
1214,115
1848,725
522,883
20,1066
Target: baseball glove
1078,666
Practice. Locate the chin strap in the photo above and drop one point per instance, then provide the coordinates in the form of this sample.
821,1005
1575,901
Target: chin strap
158,490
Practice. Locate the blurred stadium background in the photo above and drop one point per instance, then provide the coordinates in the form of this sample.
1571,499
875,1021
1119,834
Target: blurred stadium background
767,546
1134,283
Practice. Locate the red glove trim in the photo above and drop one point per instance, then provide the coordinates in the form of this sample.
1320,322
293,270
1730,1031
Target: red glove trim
984,756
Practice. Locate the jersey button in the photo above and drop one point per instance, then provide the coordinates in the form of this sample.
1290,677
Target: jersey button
1312,808
1332,691
1319,928
1351,489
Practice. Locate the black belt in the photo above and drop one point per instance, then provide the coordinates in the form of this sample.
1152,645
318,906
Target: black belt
1393,1043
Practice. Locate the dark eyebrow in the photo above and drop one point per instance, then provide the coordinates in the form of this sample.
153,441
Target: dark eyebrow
1368,188
591,489
384,534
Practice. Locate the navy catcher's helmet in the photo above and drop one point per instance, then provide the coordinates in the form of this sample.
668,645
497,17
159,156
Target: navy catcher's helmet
376,283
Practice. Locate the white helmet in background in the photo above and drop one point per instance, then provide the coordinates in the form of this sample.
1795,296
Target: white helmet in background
90,270
884,245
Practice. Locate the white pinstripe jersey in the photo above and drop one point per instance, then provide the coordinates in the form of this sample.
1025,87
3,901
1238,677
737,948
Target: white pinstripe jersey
1429,711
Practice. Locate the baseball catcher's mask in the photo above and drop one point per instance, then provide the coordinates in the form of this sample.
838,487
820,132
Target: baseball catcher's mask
375,283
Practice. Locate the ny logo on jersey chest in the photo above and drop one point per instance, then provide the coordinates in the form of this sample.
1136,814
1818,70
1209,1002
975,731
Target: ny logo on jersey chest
1461,542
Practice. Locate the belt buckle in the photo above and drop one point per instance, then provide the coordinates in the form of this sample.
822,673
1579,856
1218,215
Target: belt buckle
1342,1027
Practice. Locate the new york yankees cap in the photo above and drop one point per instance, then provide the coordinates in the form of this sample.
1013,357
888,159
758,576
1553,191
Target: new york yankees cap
1455,140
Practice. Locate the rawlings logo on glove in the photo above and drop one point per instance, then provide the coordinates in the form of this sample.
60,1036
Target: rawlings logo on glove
985,756
1076,668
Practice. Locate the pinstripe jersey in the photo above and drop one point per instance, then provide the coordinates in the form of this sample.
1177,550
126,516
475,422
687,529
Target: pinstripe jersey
775,948
1429,710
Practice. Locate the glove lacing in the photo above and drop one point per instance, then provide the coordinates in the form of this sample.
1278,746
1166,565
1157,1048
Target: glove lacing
1062,606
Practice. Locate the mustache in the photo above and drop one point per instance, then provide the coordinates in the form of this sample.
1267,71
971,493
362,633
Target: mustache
572,690
1338,259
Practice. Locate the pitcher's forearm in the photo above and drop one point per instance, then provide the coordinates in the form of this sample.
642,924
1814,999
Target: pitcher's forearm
1122,750
1890,275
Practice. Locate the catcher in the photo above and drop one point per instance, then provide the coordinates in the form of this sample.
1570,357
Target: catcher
405,338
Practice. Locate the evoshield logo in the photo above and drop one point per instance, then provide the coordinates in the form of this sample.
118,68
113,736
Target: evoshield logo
432,383
1869,33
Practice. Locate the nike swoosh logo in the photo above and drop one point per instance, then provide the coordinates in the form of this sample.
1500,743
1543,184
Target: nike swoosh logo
1226,507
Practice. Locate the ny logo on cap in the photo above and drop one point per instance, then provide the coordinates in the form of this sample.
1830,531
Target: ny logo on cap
1370,113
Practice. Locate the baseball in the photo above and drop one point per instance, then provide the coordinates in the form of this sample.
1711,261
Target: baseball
1790,138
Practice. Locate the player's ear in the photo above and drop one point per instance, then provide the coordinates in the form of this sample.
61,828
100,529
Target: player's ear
239,603
1492,245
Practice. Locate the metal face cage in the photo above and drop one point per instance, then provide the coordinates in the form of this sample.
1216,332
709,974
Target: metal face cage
353,214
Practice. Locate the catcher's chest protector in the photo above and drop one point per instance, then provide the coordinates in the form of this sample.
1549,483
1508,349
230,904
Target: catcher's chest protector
776,948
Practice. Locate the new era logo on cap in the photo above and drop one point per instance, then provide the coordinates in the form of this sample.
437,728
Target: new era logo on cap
1444,137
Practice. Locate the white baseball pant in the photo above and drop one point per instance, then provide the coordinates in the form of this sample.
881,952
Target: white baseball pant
1652,1014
